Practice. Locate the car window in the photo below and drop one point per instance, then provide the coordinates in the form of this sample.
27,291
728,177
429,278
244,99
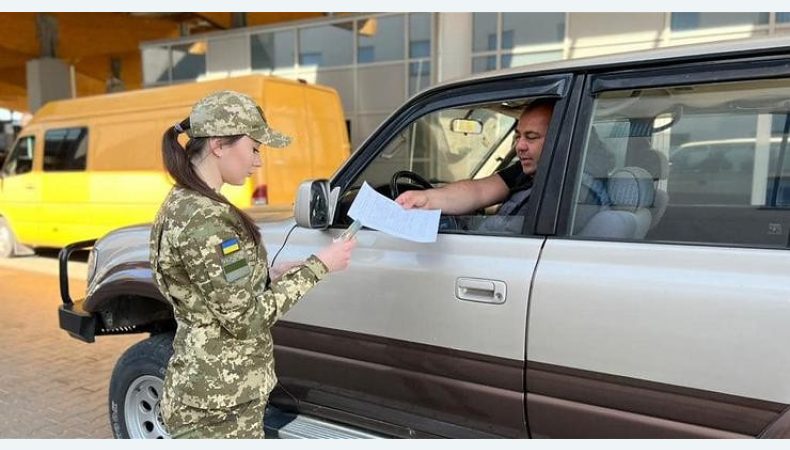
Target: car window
20,160
705,163
443,147
65,149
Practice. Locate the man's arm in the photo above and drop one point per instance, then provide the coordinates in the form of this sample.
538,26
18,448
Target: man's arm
461,197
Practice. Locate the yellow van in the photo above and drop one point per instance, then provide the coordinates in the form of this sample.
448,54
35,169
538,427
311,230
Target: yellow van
83,167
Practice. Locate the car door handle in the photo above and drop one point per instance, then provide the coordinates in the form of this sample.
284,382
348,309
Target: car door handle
478,290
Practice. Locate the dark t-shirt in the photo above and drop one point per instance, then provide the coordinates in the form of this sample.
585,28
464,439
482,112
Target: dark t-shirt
515,178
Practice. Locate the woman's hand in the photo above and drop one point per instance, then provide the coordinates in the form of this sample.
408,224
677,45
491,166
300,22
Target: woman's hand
337,255
278,270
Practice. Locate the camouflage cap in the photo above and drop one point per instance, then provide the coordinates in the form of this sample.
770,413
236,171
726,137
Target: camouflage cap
230,113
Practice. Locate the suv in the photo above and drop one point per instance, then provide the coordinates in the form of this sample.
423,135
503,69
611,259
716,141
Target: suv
629,313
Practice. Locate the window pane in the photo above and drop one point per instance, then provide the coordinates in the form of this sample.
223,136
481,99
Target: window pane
189,60
65,149
525,29
326,46
380,39
523,59
156,64
684,21
484,31
20,160
272,50
419,35
706,164
483,63
419,76
782,17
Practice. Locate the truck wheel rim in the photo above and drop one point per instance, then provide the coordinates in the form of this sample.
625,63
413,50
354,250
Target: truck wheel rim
141,408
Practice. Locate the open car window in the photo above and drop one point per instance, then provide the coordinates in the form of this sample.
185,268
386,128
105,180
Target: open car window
443,147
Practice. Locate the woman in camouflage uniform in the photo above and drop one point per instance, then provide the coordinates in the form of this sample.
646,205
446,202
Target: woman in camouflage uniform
210,263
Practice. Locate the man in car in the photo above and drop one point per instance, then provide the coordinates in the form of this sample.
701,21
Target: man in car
510,186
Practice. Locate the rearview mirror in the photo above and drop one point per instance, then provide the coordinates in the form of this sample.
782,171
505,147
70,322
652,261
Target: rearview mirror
312,208
466,126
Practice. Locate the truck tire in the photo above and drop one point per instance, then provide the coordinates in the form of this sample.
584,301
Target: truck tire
136,388
7,240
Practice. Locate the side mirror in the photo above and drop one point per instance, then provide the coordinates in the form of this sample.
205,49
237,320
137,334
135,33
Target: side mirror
314,205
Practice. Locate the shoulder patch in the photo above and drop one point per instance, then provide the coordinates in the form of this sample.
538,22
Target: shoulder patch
234,264
229,246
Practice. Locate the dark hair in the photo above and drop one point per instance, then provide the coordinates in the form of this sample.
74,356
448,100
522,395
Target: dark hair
178,164
540,103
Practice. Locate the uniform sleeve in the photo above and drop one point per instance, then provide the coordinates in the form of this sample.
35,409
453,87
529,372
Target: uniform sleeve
294,284
223,276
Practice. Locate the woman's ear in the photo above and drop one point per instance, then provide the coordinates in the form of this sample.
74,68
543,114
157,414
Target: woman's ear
215,147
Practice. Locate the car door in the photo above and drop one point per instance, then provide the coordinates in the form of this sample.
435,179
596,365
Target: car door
418,340
678,330
20,188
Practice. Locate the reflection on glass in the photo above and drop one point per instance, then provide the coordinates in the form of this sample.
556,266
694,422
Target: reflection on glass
483,63
189,60
484,32
419,35
525,29
327,45
156,64
685,21
271,51
380,39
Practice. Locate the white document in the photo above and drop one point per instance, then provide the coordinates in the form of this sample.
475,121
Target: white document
380,213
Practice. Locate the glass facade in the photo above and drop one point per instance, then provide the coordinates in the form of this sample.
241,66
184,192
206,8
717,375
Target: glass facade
503,40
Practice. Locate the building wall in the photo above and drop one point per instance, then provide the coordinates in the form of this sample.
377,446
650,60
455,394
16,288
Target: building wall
421,49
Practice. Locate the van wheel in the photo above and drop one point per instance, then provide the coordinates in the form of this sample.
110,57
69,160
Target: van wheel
7,240
136,388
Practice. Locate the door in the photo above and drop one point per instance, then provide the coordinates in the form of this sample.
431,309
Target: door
65,213
420,340
20,189
664,312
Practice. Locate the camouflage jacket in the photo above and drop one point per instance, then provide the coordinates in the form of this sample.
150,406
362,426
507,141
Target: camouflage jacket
215,277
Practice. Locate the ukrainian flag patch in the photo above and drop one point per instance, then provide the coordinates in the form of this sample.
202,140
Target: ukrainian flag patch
234,264
229,246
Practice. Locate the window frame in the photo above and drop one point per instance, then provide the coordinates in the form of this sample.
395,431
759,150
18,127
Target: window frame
705,70
556,85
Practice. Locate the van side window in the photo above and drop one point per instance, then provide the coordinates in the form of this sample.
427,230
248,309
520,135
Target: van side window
701,164
65,149
20,160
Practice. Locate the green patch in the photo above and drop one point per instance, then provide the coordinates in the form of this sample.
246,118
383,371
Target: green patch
235,266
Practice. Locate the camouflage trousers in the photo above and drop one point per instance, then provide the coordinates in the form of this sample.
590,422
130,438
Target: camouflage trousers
244,421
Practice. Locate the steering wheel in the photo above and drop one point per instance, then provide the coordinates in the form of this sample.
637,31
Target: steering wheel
409,175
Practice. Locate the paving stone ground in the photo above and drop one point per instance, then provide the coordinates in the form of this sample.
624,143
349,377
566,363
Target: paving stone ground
51,385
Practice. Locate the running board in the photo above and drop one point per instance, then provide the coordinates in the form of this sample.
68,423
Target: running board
281,425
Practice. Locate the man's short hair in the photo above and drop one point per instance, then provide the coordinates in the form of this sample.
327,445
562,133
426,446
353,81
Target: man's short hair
539,103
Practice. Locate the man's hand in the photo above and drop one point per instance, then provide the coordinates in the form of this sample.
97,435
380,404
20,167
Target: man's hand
413,199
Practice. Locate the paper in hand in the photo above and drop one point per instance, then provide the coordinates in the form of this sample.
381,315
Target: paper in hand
380,213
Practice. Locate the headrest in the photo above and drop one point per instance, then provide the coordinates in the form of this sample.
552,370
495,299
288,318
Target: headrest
631,188
655,162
